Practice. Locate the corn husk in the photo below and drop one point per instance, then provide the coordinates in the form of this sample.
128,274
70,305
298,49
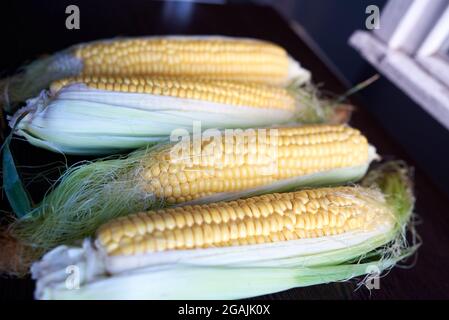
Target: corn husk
240,271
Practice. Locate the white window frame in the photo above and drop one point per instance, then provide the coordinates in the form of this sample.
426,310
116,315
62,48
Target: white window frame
434,52
400,18
411,48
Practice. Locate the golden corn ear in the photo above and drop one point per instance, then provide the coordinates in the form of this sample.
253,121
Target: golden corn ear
225,92
262,219
212,58
240,162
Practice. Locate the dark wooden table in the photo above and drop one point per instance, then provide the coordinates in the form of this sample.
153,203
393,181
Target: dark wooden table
33,29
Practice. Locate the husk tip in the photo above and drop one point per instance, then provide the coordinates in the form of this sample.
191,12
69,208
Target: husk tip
15,256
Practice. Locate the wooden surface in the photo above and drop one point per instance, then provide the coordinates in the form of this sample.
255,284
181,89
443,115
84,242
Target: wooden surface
32,30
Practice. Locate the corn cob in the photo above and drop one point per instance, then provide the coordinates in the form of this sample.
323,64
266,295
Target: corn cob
226,92
241,248
221,58
250,161
217,58
264,219
101,115
239,164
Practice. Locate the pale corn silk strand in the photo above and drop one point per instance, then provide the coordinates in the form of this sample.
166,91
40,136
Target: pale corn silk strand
89,194
83,59
246,270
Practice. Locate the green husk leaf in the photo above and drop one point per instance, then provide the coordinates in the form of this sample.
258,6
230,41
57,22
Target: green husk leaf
18,197
12,185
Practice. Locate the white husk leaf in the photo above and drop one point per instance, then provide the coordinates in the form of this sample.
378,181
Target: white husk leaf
83,120
232,272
